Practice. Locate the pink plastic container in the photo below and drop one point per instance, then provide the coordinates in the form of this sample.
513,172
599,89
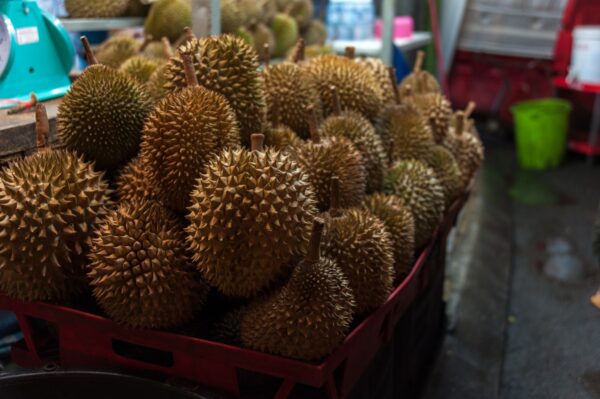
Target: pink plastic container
403,27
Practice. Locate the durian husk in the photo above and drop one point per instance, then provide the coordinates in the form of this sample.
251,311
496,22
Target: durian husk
155,87
262,36
282,138
102,115
137,9
292,91
50,203
302,11
286,32
133,183
467,149
96,8
361,133
168,18
399,222
228,329
251,214
329,158
356,85
315,34
184,131
116,50
421,191
380,70
139,271
229,66
447,171
155,51
231,16
362,247
437,110
139,68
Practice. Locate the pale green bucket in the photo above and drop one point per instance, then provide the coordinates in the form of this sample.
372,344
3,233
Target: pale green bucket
541,132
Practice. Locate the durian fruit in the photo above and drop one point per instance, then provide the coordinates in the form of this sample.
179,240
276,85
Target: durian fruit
50,203
102,115
279,136
96,8
419,81
302,11
315,34
309,316
231,16
315,51
168,18
400,223
285,31
382,123
251,214
436,109
228,329
133,183
116,50
181,134
136,9
362,247
229,66
409,133
158,50
447,171
324,159
294,90
262,36
421,191
155,87
467,149
246,35
361,133
356,85
251,11
382,74
139,271
139,68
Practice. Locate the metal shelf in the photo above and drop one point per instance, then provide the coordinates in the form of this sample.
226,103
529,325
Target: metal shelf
374,47
97,24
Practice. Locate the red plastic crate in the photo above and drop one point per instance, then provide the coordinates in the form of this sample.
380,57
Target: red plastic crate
87,340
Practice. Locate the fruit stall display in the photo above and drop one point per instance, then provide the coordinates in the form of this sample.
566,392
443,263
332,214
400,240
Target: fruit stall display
251,217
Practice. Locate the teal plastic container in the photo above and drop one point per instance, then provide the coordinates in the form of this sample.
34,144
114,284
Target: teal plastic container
541,132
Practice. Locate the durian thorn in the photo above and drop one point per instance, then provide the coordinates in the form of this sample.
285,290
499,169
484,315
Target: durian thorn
42,127
419,61
314,246
408,90
350,52
337,106
267,55
392,75
313,124
167,50
190,71
89,54
334,197
257,141
146,42
470,108
299,51
460,123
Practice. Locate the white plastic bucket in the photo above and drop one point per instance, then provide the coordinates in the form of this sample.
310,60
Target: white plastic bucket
585,58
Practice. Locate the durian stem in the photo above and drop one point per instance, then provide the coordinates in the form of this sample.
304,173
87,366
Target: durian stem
314,246
257,141
350,52
470,108
460,123
419,61
267,55
146,42
313,124
190,71
167,50
89,54
186,36
42,127
299,50
334,197
337,106
392,74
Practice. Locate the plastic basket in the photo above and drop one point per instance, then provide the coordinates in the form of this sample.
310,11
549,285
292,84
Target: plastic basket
541,132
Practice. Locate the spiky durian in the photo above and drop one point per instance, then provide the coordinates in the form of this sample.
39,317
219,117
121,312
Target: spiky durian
302,11
420,190
49,204
251,11
314,51
315,34
156,51
229,66
133,183
400,223
116,50
281,137
361,133
262,36
228,329
168,18
467,149
139,68
309,316
419,81
362,247
102,116
436,109
294,91
381,72
285,31
447,171
356,85
135,8
231,16
246,35
96,8
139,271
251,213
181,134
409,133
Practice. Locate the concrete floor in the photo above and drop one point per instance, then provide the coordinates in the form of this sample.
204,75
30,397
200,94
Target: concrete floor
520,277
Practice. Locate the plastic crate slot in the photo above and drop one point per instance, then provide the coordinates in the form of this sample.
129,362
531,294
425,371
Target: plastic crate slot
142,353
44,336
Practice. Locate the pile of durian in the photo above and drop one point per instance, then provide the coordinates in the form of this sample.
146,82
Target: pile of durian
299,193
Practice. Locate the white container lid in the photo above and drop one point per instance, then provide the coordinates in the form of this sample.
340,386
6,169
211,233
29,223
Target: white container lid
589,32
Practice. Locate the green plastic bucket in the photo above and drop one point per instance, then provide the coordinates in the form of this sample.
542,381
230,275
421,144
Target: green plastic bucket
541,132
